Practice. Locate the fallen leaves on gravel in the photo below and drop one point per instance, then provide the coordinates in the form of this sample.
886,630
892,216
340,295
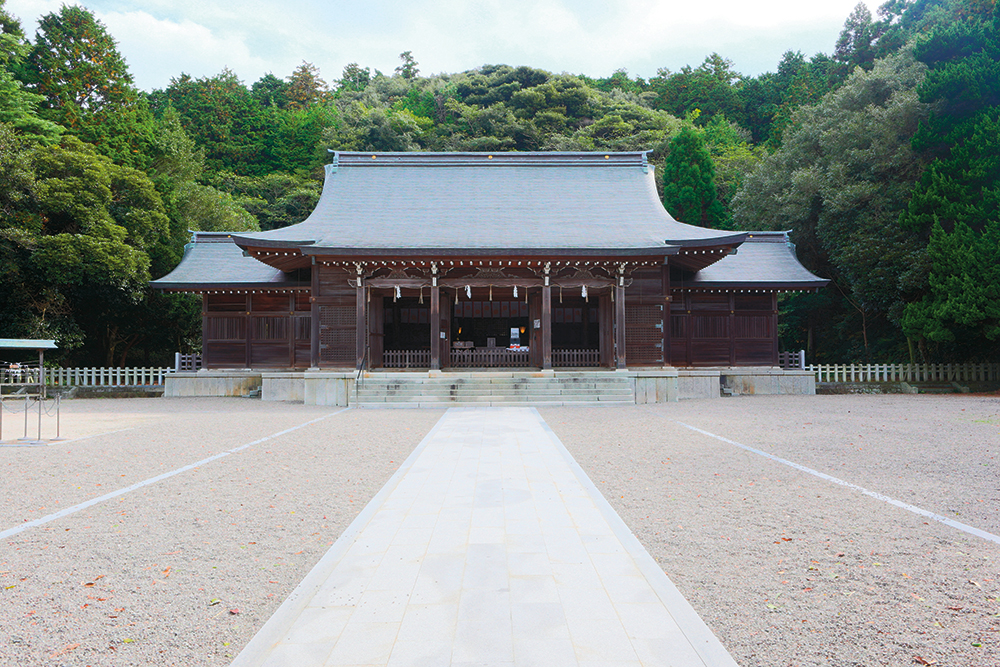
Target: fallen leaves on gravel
922,661
63,651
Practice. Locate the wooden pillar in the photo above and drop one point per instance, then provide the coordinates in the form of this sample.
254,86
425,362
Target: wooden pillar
362,324
665,277
291,329
314,309
732,329
774,329
546,325
606,339
248,353
435,324
620,322
206,360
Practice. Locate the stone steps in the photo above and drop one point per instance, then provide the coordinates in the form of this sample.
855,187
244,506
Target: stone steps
491,389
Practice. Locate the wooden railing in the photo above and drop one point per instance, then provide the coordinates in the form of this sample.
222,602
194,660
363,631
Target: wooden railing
406,359
489,357
905,372
187,362
576,358
88,377
792,360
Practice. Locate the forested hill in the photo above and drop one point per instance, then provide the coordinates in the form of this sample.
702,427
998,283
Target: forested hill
881,157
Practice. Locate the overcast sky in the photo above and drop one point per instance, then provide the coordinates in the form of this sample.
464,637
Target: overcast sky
160,39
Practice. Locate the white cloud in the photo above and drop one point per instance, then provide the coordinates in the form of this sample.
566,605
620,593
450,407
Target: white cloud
158,49
163,38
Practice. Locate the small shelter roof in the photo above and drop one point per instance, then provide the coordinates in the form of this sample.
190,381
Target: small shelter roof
489,204
27,344
213,260
766,260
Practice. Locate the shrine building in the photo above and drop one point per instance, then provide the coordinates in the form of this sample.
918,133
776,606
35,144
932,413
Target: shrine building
482,261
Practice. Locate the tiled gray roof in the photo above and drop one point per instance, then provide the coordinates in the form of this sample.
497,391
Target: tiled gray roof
766,259
212,259
481,202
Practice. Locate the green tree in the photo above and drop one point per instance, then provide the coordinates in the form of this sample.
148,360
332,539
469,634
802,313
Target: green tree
270,91
839,181
712,88
856,44
224,119
355,78
689,182
408,69
77,245
958,197
85,84
733,156
305,87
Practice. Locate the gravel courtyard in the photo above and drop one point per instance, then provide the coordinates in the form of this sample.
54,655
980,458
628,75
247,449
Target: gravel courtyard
787,568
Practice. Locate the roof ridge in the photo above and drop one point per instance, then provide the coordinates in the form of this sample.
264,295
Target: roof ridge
486,159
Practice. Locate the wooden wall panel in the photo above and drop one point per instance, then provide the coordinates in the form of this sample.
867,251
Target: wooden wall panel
226,354
333,282
723,329
266,354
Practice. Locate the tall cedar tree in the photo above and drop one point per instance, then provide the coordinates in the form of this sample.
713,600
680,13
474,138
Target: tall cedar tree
75,66
958,198
689,182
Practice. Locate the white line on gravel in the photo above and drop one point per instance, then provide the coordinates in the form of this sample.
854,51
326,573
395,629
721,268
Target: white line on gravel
153,480
878,496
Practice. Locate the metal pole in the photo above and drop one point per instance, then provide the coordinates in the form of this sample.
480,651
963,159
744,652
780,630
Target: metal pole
25,437
41,373
58,405
39,419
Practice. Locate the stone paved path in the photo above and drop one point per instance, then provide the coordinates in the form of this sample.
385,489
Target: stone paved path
489,546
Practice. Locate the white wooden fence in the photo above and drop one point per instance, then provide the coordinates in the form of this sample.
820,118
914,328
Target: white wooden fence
88,377
905,372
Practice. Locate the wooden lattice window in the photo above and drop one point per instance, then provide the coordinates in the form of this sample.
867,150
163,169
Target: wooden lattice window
643,333
337,332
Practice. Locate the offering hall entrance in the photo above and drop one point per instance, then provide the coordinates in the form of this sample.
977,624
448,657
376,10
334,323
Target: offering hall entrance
478,331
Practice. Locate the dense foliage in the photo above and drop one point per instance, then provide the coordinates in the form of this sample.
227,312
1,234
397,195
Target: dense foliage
881,158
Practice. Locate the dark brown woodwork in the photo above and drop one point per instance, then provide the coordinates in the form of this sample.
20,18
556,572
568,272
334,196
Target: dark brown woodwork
620,326
546,326
314,323
206,356
336,302
606,332
535,335
248,354
665,293
361,338
445,343
435,322
376,329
